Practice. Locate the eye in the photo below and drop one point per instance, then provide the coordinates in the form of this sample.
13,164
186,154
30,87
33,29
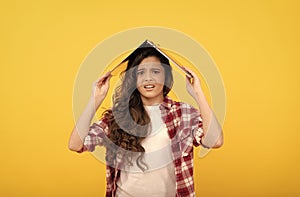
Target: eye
140,72
156,71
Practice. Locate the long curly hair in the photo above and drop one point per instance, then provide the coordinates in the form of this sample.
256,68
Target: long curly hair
128,120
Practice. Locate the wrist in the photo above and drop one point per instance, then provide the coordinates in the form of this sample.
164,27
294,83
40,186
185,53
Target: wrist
198,91
199,94
96,100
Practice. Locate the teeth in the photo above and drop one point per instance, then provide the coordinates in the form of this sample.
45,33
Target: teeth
149,86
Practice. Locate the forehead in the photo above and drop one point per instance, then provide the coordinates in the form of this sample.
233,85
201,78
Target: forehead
150,62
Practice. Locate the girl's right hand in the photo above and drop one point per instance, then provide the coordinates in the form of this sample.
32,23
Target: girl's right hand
100,87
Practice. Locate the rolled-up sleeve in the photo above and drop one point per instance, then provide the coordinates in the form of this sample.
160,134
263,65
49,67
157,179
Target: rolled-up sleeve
197,126
191,124
98,131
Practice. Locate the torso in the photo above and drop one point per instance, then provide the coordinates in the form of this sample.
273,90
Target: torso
159,178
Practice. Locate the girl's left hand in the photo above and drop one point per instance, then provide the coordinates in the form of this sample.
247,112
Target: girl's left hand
193,87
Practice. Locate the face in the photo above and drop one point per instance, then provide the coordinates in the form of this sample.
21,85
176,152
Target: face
150,80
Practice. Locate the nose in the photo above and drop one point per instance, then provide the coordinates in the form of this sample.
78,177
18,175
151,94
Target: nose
148,76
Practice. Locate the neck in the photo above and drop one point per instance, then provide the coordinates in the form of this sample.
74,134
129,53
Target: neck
152,101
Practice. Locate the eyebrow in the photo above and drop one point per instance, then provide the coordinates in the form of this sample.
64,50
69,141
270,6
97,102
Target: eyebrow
142,69
157,68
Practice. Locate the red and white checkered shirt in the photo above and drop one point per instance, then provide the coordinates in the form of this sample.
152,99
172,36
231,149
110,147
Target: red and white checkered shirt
184,124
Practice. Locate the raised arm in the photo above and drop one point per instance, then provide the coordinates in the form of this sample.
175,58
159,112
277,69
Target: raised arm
81,129
213,134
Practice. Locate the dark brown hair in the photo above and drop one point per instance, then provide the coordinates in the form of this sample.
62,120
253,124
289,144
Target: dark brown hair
128,120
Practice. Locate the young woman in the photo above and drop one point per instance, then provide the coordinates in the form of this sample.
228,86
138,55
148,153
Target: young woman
149,138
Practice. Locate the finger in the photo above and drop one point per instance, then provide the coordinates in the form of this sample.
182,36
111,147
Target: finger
103,78
190,71
188,80
107,79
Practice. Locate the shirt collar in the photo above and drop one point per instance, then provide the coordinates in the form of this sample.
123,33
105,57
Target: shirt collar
167,102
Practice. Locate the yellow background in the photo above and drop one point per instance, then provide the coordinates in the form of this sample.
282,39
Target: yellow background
254,43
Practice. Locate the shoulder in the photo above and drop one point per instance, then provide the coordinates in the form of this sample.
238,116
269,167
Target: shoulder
170,103
104,121
183,107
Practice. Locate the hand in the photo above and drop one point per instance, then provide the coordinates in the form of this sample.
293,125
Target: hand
100,87
193,86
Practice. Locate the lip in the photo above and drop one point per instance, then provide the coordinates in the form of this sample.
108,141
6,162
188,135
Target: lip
149,86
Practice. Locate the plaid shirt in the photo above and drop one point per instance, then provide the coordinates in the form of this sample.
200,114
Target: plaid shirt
184,124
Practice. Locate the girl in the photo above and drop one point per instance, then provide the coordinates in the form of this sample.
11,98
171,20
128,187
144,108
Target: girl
149,138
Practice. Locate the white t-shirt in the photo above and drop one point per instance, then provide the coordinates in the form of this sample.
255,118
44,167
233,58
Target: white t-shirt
159,178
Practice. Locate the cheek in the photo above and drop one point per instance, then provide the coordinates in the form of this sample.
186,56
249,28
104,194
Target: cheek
138,82
160,79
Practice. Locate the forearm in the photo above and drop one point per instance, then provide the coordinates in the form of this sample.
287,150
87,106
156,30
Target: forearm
213,135
82,126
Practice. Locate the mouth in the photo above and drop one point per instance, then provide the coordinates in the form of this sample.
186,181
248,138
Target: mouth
149,86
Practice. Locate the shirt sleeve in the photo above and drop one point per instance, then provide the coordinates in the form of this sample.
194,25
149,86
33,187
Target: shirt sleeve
98,131
196,126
